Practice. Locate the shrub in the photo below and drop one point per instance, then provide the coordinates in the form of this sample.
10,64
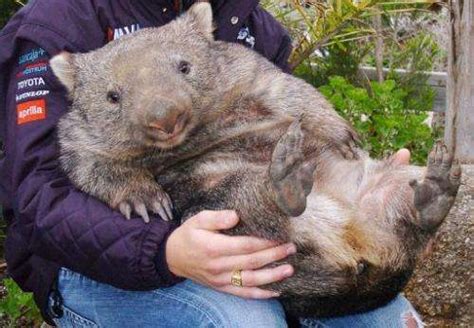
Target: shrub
337,59
418,56
7,9
17,305
381,118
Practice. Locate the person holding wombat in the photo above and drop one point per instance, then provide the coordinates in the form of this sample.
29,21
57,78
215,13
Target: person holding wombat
53,226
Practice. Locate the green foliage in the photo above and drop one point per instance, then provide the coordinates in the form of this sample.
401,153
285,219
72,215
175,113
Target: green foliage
334,38
336,59
7,9
317,24
417,56
381,118
17,304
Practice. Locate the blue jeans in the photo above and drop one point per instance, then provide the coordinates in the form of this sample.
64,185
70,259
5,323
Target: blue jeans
87,303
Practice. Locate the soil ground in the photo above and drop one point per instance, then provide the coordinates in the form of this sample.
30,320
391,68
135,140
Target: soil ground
442,289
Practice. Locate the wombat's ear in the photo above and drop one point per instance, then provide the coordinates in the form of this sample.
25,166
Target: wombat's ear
200,16
64,68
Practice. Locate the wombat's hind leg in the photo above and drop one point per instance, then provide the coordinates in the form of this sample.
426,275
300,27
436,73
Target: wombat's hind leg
435,195
154,199
292,179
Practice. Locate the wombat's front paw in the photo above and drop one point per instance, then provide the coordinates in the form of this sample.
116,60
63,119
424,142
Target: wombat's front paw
142,199
292,179
436,194
348,145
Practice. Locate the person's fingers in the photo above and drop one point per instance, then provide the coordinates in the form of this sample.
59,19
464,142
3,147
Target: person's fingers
402,157
214,220
255,278
249,292
240,245
218,246
253,260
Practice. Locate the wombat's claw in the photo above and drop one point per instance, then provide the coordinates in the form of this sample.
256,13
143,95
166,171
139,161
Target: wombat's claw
349,151
435,195
348,146
160,204
126,210
292,179
140,208
163,207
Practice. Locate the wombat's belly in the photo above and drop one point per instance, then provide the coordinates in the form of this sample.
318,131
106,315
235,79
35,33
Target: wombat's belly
344,263
333,237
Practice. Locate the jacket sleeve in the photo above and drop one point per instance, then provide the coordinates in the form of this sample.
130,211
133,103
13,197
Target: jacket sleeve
283,54
273,40
61,223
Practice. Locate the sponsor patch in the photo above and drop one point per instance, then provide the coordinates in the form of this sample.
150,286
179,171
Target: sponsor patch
32,55
31,111
117,33
33,82
31,94
37,68
245,37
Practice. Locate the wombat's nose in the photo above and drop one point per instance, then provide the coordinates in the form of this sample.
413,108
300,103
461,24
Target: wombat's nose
165,125
171,124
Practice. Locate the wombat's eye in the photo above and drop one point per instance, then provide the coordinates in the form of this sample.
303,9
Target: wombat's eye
184,67
113,97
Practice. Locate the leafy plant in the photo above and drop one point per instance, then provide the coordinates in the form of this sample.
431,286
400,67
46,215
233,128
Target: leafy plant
334,37
381,118
417,57
17,304
7,9
317,24
336,59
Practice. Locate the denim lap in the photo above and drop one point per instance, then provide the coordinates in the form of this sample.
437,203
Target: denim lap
89,304
186,304
72,319
399,313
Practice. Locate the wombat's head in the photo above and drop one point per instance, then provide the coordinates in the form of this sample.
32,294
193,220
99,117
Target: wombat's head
145,89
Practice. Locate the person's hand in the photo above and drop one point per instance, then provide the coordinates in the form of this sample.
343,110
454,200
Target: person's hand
197,251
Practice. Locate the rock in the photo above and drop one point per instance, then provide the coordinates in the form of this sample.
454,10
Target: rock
443,284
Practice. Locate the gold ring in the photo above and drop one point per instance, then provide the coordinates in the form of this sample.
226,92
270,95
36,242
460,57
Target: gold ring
236,279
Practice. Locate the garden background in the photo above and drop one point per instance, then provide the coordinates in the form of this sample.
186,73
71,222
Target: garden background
373,60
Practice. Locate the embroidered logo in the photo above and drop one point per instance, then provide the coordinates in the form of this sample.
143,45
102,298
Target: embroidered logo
117,33
31,94
37,68
245,37
33,82
32,56
31,111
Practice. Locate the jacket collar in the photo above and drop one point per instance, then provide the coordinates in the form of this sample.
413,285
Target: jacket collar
230,15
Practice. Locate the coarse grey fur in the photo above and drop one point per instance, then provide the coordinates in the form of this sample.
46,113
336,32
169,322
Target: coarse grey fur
216,126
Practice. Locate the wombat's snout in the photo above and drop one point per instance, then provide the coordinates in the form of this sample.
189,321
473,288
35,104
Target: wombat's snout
166,123
170,125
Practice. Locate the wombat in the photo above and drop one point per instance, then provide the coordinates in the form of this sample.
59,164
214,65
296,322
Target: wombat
171,111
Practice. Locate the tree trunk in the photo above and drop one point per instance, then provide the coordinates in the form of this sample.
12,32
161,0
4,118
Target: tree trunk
377,21
459,133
